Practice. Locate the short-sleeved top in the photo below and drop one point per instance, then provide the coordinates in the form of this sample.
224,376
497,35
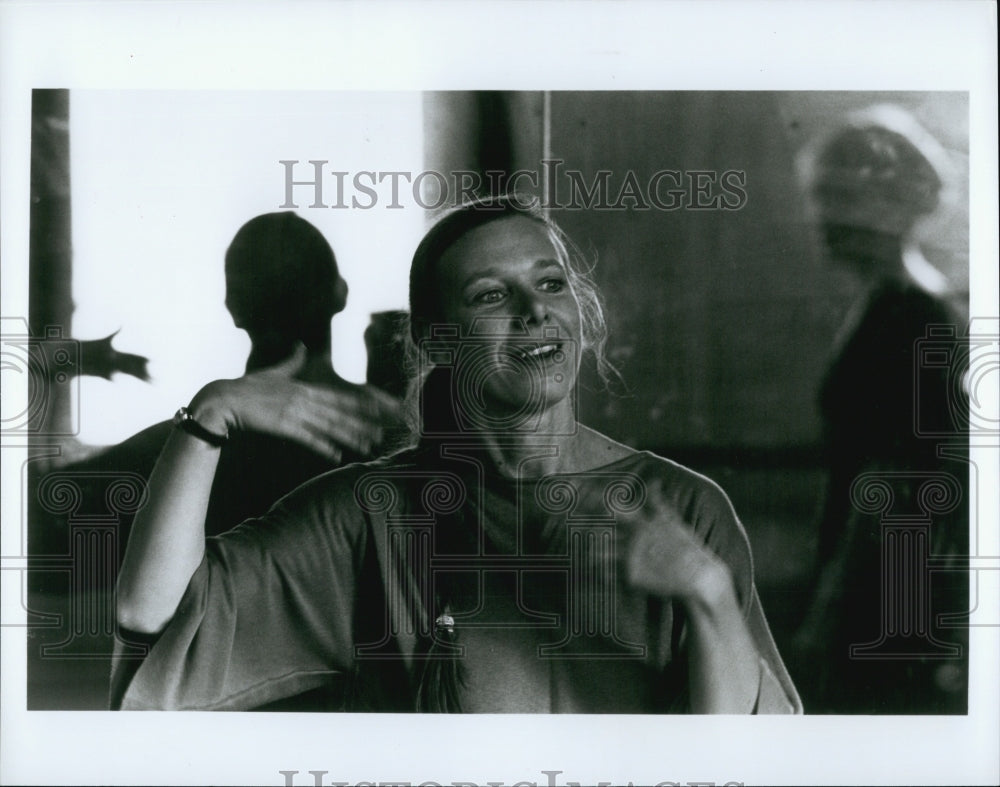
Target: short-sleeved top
422,582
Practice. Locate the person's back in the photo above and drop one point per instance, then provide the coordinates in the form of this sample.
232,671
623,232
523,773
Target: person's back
283,287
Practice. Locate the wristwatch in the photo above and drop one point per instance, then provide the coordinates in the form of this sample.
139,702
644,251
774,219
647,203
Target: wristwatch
186,422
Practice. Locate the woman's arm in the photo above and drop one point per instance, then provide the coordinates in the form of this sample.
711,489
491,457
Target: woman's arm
666,559
724,664
167,542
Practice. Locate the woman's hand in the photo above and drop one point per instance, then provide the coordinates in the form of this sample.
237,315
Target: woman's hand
664,557
273,402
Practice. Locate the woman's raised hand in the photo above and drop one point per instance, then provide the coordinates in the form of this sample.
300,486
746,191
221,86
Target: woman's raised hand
273,402
662,555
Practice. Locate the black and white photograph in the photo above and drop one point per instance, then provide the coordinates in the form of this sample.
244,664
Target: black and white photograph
645,417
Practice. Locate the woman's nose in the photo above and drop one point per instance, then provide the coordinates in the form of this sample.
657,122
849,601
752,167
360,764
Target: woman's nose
533,308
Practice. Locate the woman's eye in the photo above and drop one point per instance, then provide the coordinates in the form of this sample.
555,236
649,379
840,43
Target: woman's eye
553,285
489,296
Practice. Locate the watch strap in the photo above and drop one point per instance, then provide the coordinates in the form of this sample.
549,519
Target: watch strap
186,422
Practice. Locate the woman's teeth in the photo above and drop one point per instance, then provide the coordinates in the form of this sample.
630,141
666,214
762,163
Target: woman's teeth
545,349
540,351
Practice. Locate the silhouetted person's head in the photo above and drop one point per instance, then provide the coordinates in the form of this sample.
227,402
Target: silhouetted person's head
283,286
872,183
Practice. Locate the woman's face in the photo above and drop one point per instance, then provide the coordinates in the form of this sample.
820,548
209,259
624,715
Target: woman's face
502,283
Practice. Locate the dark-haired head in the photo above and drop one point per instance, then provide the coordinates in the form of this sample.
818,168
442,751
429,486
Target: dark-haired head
282,283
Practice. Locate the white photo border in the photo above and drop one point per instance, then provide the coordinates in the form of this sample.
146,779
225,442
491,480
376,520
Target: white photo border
513,45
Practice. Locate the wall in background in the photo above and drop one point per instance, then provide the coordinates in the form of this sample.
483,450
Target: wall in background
721,319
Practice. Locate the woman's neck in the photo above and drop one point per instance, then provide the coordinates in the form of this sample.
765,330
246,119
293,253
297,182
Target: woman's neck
547,446
559,444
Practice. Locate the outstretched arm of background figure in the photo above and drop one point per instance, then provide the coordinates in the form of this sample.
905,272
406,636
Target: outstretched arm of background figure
666,559
99,359
167,542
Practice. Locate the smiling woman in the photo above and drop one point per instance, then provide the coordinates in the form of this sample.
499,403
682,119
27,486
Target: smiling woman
500,290
512,560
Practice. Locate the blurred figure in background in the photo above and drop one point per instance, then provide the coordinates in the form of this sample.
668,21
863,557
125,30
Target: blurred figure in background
872,182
